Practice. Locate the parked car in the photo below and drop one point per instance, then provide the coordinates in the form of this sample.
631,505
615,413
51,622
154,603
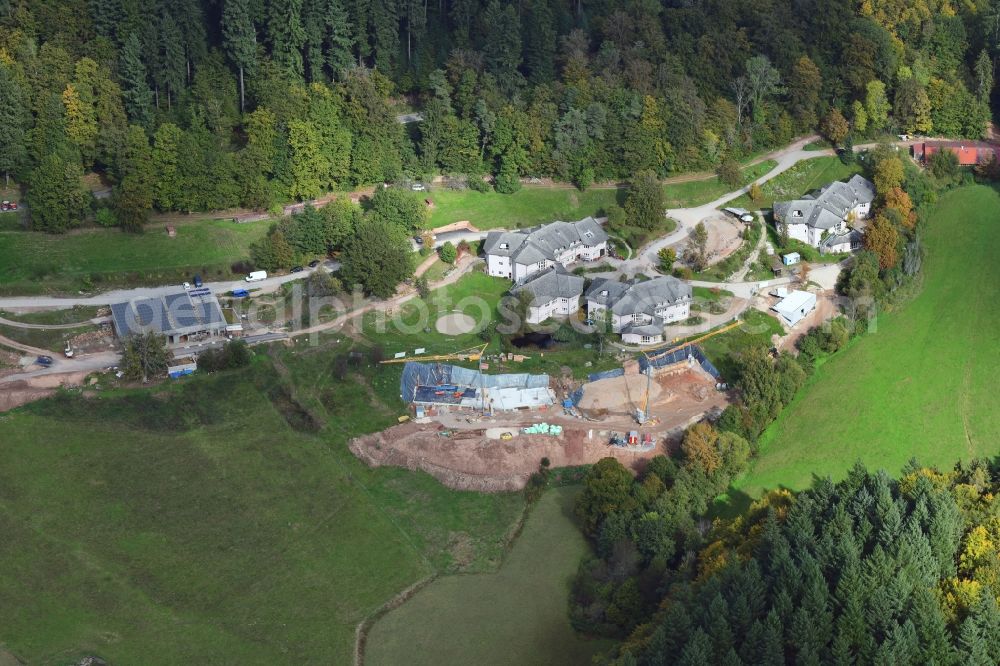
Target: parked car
8,205
240,293
419,240
44,361
314,263
68,351
197,281
418,187
256,276
187,285
296,269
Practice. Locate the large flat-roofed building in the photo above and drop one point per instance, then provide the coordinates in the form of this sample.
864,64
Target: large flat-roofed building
180,316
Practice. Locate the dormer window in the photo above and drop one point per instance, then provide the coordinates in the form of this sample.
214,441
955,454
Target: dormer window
504,246
796,213
604,292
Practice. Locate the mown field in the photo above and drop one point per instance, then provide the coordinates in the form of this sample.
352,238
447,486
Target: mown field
536,205
32,262
220,520
923,384
518,615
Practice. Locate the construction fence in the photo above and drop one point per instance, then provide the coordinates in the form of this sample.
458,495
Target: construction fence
679,355
607,374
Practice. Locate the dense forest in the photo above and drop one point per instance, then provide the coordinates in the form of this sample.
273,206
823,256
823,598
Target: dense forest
188,105
868,570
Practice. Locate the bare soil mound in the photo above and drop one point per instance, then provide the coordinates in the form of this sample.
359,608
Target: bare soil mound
470,460
455,323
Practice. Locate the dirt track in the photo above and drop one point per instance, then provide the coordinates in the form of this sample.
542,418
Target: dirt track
21,392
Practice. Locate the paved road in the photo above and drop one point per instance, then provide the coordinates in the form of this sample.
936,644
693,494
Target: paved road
120,295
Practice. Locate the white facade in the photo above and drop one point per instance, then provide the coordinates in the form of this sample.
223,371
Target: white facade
522,271
515,255
556,308
811,235
638,340
667,313
498,265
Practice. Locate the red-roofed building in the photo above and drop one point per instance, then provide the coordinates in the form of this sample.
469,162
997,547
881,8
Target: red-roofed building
970,153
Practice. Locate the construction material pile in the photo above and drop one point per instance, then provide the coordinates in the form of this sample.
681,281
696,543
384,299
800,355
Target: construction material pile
542,429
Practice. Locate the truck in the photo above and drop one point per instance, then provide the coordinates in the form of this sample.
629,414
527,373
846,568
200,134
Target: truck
256,276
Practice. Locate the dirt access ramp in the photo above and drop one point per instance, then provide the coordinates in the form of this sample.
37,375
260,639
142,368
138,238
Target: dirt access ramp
23,391
470,460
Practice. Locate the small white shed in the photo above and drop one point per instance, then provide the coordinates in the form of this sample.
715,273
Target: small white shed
791,258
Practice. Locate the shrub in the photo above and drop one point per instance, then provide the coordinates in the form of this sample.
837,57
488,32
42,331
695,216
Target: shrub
478,184
448,253
729,173
105,218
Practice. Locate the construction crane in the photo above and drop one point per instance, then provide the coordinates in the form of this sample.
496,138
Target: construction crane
471,354
642,414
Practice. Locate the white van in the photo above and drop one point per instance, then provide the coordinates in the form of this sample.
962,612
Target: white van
256,276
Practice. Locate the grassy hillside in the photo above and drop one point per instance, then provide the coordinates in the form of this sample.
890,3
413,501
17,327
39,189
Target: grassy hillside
220,520
515,616
923,384
536,205
800,179
33,262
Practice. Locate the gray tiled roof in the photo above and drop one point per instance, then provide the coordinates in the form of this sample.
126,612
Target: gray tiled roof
656,328
646,297
829,207
554,282
177,313
545,242
851,236
614,288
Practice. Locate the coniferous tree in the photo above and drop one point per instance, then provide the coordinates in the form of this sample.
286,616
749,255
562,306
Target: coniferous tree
136,93
286,35
14,121
240,40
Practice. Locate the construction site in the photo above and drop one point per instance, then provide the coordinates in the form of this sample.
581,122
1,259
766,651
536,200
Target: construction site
476,431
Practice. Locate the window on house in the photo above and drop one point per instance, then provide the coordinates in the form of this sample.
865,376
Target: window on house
504,246
647,338
796,213
604,292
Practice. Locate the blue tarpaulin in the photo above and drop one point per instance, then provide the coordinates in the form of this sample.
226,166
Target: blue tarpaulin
607,374
421,381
